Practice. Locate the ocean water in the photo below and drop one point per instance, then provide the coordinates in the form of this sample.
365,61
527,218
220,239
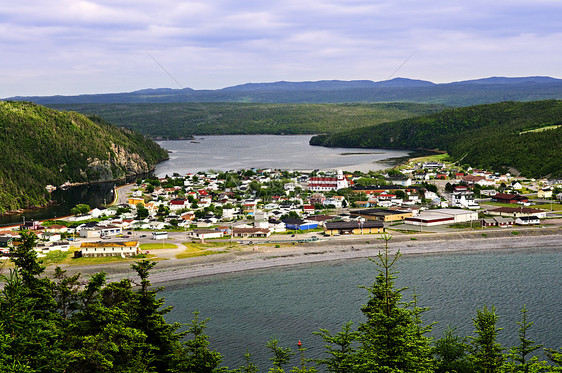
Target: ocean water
248,309
269,151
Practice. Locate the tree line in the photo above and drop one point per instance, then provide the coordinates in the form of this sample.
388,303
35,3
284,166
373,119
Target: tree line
41,146
492,136
184,120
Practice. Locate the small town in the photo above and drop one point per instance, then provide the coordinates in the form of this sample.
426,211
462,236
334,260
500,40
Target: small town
254,208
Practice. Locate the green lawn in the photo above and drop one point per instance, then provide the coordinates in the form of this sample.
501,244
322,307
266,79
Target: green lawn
197,249
156,246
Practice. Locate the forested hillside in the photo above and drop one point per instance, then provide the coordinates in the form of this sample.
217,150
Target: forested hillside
41,146
495,136
173,121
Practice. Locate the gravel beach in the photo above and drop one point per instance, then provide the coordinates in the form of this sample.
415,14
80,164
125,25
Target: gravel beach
363,247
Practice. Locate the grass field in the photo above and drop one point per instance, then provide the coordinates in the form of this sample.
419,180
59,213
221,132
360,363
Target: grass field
156,246
203,249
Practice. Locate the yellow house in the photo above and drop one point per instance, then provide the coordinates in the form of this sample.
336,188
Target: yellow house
134,201
545,193
382,214
354,227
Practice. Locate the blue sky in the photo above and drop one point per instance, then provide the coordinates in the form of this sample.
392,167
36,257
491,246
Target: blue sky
66,47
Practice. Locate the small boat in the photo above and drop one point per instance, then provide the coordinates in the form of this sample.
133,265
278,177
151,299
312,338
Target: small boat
66,185
195,142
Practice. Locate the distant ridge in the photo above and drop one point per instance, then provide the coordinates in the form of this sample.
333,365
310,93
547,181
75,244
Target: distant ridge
462,93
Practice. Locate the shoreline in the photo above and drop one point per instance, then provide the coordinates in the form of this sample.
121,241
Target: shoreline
465,243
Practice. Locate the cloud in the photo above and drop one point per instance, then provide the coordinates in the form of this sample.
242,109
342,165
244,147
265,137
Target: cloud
79,46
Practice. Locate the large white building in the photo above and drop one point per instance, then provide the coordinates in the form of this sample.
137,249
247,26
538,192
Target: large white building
441,217
326,184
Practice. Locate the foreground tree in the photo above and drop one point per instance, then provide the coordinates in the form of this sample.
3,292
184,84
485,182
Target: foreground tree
519,358
486,351
451,353
392,339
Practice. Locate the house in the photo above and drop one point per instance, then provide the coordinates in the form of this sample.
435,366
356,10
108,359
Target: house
96,249
432,165
202,234
527,220
384,215
487,222
325,184
299,224
43,249
363,204
480,180
55,228
515,212
353,227
100,231
509,198
134,201
463,199
503,222
545,193
179,204
277,225
336,201
250,232
309,209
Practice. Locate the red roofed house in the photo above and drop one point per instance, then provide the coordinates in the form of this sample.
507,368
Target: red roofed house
325,184
509,198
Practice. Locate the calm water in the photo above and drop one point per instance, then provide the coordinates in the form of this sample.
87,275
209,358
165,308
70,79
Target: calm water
248,309
94,195
268,151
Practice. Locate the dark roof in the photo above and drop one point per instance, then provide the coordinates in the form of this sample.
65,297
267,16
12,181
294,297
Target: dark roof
293,221
354,224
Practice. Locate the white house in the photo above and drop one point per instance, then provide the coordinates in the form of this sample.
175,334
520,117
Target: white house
94,249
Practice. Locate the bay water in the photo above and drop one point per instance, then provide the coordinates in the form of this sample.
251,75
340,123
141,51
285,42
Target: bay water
269,151
290,303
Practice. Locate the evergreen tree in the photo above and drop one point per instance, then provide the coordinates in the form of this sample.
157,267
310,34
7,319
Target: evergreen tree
340,349
486,351
392,339
518,356
197,357
451,353
281,355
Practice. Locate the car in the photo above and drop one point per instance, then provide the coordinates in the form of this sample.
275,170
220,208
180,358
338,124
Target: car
129,232
143,236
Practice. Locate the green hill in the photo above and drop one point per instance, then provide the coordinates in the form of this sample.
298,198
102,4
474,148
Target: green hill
41,146
493,136
173,121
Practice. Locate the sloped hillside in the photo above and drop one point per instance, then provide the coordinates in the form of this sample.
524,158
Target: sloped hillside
526,137
41,146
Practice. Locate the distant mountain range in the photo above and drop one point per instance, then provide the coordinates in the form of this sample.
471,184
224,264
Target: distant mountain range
462,93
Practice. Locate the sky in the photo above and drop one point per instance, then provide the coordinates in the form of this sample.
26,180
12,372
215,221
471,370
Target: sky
69,47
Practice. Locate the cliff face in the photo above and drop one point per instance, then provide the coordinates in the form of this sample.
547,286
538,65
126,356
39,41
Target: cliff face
40,146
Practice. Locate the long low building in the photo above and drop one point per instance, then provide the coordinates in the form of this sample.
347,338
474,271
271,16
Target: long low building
441,217
353,227
381,214
94,249
515,212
